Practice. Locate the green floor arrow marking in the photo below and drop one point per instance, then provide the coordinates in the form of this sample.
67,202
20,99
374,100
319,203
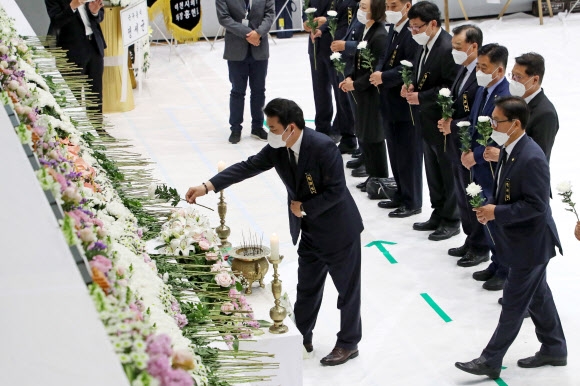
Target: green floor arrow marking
500,382
436,308
383,250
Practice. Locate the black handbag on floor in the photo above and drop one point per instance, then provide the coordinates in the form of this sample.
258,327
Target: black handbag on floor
381,188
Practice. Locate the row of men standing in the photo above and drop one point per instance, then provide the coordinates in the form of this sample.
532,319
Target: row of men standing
476,75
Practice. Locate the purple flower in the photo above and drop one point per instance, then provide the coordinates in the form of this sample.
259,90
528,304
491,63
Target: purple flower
98,245
159,345
158,366
175,307
181,320
177,377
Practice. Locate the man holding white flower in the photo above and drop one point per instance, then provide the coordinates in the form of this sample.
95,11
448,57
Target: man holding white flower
520,220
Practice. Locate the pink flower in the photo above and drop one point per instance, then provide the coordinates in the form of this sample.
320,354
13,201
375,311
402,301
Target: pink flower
204,244
158,366
177,377
223,279
227,308
211,256
159,345
87,235
181,320
216,267
101,263
234,293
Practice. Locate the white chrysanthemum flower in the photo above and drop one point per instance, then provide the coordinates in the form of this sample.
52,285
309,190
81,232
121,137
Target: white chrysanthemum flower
362,45
564,187
310,10
336,56
406,63
445,92
332,13
483,118
473,189
463,124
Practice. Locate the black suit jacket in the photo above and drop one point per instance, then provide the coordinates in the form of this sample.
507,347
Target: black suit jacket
402,47
332,217
462,104
523,230
438,72
69,29
543,124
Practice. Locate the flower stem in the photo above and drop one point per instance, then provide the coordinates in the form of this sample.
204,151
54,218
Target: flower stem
490,168
411,111
490,236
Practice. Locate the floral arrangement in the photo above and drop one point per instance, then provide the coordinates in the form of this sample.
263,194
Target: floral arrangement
137,305
485,130
476,201
445,101
407,76
565,190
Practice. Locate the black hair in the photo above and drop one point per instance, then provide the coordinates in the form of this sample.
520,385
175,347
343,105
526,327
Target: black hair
472,33
497,54
426,11
514,108
534,64
286,110
378,8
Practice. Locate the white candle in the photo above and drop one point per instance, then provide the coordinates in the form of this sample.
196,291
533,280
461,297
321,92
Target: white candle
274,247
221,166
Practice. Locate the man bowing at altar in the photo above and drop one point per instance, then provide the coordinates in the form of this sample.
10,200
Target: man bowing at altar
321,208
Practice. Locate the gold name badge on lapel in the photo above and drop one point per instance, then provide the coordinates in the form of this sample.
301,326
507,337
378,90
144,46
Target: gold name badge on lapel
349,15
425,75
507,189
465,103
310,183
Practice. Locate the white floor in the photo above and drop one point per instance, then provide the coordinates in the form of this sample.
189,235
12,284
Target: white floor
181,123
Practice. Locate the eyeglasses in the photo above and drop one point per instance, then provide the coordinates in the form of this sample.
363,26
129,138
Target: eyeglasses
416,28
494,122
517,78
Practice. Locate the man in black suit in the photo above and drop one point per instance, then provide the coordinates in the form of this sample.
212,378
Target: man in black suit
321,207
404,141
467,39
434,69
527,75
76,27
520,219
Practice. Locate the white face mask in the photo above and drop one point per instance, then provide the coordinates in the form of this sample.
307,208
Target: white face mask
361,16
484,79
501,138
421,38
275,140
517,88
393,17
460,56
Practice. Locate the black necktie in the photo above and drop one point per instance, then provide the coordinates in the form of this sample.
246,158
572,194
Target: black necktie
292,157
459,81
394,36
502,162
483,101
426,50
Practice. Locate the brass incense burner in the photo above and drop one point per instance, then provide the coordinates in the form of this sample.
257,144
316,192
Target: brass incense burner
251,263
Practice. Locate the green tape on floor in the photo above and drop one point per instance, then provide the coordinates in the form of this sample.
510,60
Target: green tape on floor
435,307
500,382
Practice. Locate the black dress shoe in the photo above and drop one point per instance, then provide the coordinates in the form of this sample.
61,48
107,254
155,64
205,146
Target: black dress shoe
483,275
260,133
539,360
354,163
494,284
458,252
361,171
389,204
478,367
362,185
308,347
338,356
471,259
429,225
443,233
403,212
346,148
235,137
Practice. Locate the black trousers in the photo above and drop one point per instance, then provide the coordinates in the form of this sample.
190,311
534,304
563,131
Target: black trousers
324,82
375,158
441,184
526,289
344,120
344,268
93,66
405,146
240,72
476,239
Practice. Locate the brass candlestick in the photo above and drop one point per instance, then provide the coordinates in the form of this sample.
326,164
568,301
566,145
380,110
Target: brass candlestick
277,313
223,231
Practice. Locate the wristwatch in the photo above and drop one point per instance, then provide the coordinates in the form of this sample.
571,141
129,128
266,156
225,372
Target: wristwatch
302,210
